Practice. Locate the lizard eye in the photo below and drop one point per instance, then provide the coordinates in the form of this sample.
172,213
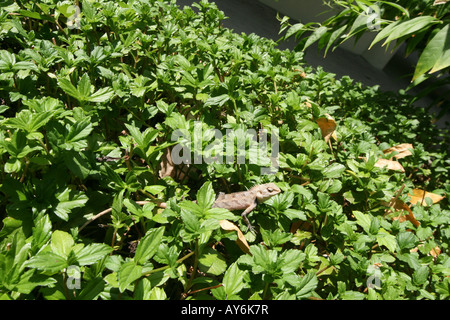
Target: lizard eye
269,189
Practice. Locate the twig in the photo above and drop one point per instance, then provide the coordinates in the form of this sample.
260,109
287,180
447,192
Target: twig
98,215
208,288
393,200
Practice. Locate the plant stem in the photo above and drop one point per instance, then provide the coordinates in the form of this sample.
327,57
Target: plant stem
194,267
167,267
266,289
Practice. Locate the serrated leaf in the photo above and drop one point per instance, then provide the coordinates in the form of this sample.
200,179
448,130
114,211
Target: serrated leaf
62,243
67,201
79,130
364,220
212,262
233,280
420,275
406,240
84,86
128,273
386,239
101,95
69,88
148,245
334,170
206,196
41,232
291,260
307,284
92,289
91,253
48,261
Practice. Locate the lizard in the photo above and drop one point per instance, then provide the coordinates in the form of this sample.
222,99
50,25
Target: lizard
243,200
246,200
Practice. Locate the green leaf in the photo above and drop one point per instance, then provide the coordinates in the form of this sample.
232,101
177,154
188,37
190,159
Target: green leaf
436,54
148,245
211,262
316,35
79,130
444,60
336,258
420,275
84,86
294,29
217,101
69,88
334,170
206,196
101,95
48,261
28,121
307,284
129,272
275,238
386,239
352,295
69,200
407,27
92,289
291,260
311,253
31,279
78,163
406,240
155,189
364,220
157,294
295,214
233,280
41,232
92,253
335,35
143,290
62,243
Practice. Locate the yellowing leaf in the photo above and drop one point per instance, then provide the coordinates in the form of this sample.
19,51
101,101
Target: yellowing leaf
418,197
328,127
390,164
241,241
402,149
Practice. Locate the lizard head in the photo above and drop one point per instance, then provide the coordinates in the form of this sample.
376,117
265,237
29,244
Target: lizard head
267,191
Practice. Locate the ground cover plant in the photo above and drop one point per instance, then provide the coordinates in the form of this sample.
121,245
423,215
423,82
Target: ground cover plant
90,97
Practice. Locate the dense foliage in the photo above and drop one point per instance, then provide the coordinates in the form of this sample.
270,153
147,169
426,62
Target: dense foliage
88,104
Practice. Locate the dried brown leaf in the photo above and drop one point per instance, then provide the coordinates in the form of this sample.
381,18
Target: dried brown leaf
402,149
390,164
327,126
241,241
418,197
